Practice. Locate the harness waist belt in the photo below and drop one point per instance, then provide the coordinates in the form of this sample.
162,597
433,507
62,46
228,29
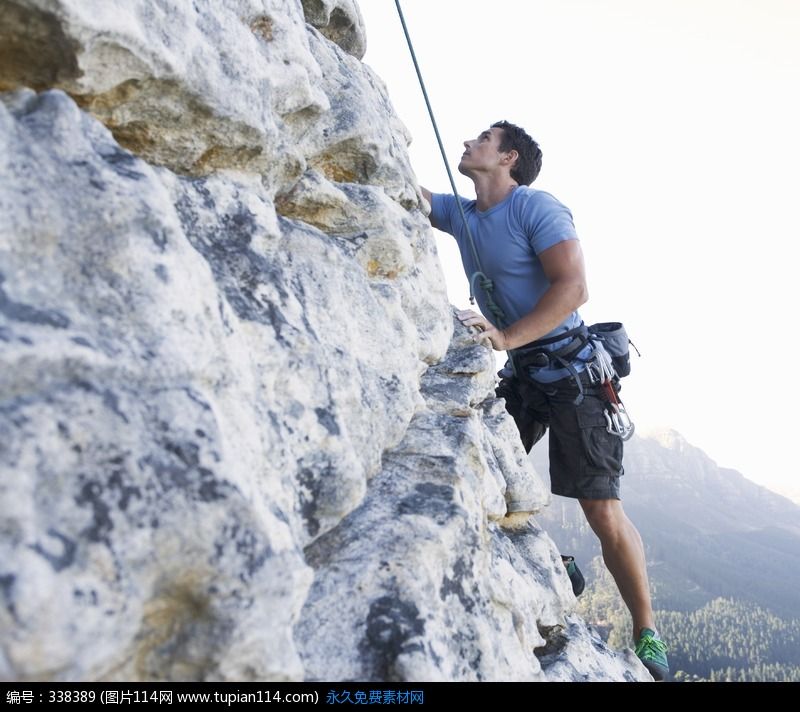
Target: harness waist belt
534,353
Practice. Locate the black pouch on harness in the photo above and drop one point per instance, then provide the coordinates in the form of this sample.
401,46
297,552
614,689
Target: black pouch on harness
615,340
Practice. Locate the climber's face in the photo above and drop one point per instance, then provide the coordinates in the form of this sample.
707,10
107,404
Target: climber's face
483,154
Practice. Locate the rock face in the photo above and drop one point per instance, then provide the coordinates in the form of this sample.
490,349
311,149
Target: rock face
240,436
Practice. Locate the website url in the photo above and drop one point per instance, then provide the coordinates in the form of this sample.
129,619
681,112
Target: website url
230,698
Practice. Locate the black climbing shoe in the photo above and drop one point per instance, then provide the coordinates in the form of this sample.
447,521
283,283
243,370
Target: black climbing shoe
575,575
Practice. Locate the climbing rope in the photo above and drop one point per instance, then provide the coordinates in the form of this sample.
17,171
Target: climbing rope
486,284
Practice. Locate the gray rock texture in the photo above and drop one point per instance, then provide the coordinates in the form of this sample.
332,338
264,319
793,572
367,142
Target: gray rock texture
241,435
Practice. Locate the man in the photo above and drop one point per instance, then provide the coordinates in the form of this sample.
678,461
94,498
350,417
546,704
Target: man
527,246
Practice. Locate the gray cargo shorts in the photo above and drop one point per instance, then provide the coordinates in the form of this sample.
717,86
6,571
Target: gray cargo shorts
585,459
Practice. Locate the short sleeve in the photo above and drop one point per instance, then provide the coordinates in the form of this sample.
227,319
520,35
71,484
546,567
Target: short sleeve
546,221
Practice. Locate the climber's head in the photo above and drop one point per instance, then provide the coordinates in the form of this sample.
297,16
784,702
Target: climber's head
529,155
503,148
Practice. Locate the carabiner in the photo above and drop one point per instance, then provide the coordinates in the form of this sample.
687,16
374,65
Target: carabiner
617,421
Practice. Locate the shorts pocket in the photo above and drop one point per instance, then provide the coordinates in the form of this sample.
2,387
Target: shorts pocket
602,450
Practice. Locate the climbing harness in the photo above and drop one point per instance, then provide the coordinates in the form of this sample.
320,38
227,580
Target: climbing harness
608,362
537,356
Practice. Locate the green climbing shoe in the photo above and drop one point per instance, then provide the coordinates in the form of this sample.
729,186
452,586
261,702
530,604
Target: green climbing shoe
652,651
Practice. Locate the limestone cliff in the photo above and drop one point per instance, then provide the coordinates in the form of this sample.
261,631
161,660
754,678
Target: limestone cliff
240,436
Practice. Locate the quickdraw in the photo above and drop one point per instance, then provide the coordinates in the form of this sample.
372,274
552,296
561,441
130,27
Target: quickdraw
601,369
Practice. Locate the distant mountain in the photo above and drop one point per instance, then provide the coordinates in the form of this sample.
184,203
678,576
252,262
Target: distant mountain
790,491
708,531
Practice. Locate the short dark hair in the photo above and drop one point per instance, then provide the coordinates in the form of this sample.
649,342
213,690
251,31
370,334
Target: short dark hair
529,162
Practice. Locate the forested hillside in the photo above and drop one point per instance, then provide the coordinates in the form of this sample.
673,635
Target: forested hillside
724,640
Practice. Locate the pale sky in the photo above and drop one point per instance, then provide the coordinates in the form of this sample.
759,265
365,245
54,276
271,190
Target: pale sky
671,129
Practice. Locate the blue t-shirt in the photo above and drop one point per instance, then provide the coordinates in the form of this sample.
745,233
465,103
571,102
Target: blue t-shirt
508,238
